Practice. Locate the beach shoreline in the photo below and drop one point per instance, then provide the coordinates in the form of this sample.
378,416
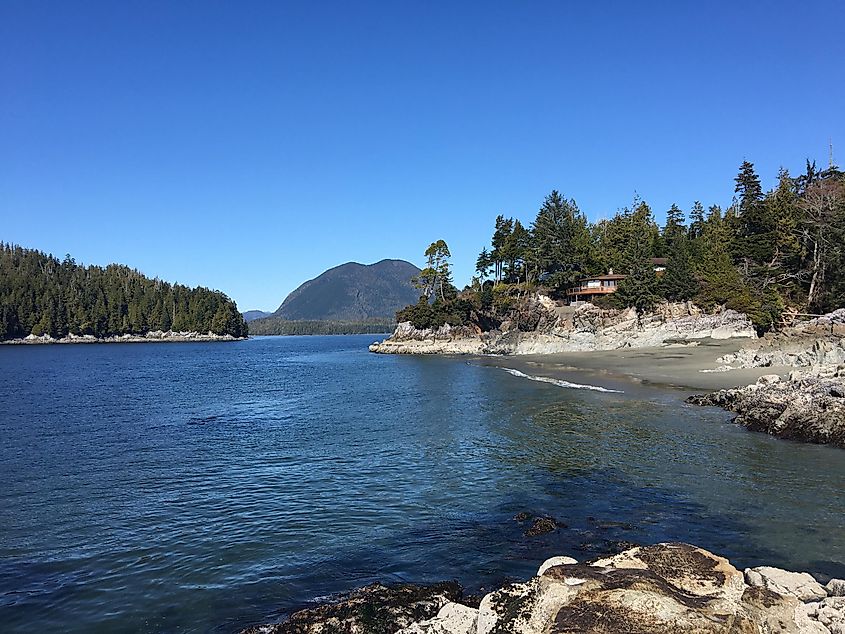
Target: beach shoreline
691,367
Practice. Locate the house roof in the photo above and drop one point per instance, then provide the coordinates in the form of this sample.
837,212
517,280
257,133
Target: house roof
601,277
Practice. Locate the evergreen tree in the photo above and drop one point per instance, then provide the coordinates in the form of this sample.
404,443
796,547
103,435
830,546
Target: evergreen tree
561,242
675,228
483,264
679,283
436,277
641,288
696,220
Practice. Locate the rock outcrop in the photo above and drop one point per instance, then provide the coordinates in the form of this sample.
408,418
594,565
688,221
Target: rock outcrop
805,408
664,588
816,346
541,327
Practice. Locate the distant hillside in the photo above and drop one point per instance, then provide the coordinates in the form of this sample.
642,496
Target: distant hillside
252,315
353,292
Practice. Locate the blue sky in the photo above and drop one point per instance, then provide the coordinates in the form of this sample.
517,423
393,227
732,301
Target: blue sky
249,146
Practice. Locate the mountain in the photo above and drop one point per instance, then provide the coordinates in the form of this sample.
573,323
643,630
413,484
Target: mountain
252,315
353,292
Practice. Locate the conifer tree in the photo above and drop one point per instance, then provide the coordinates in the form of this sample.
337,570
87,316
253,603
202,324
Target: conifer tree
641,288
679,283
674,229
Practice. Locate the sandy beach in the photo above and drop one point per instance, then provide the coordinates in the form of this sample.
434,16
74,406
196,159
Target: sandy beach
688,367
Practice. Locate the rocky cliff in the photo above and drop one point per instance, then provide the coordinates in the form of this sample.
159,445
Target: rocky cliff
542,327
664,588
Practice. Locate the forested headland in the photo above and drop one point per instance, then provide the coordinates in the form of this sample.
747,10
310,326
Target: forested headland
42,295
766,253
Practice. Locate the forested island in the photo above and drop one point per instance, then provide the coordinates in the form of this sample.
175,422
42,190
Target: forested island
43,296
767,253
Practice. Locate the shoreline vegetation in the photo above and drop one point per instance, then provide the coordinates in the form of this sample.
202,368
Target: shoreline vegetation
662,588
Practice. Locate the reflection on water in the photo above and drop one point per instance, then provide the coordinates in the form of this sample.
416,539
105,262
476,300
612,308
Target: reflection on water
198,487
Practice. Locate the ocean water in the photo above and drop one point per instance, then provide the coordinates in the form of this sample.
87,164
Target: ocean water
210,486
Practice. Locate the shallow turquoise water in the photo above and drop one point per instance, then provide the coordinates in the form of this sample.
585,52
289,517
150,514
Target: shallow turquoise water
197,487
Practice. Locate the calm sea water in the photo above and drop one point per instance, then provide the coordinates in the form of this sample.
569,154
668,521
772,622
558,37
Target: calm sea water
206,487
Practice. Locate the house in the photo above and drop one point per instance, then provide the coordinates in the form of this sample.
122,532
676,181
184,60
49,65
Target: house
590,287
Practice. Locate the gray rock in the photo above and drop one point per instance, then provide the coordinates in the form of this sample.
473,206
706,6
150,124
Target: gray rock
555,561
800,585
804,408
836,588
453,618
656,589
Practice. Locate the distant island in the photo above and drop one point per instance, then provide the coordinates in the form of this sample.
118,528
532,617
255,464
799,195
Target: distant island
44,299
351,298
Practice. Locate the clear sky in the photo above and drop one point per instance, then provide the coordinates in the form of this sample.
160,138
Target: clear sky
248,146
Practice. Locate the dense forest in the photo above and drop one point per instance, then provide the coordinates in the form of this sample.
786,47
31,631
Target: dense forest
42,295
766,253
278,326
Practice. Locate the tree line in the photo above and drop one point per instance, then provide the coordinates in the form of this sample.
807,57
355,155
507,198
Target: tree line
278,326
766,253
42,295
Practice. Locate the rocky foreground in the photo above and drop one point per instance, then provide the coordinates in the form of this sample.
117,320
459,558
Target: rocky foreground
153,336
542,327
665,588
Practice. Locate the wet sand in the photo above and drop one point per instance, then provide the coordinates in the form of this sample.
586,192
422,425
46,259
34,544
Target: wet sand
678,366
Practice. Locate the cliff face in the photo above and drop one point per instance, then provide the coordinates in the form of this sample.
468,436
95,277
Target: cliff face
539,326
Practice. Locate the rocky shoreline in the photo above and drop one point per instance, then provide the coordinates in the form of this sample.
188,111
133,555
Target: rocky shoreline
153,336
663,588
545,328
808,406
803,408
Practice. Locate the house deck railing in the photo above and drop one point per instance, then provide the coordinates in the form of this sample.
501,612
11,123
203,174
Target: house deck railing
590,290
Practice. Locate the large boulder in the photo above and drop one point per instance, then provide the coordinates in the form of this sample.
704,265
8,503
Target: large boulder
651,590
